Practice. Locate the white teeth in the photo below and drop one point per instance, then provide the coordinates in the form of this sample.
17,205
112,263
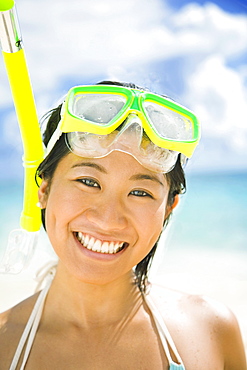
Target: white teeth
97,245
90,243
111,248
80,236
86,239
105,247
115,248
88,246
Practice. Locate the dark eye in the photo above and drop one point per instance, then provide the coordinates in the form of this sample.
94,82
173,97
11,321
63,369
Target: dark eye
140,193
89,182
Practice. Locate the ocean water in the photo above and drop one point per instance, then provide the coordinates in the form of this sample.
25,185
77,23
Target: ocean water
213,213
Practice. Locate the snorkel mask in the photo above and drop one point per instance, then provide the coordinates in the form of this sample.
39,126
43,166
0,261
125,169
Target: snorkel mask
99,119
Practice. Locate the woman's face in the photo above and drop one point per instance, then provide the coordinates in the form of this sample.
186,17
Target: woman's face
104,215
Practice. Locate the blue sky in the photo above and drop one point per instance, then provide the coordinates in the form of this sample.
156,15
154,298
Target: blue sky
196,52
231,6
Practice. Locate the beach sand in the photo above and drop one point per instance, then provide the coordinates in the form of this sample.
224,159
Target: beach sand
218,275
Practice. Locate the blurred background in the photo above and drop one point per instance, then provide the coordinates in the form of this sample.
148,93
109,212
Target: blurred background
193,51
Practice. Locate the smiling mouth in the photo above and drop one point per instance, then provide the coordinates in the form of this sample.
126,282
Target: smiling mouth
100,246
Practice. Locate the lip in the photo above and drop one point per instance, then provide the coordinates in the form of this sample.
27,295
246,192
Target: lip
98,255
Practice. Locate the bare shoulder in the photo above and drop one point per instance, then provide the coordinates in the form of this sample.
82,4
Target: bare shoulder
205,322
192,305
12,325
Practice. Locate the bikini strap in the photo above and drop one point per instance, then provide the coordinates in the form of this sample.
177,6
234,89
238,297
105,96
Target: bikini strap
32,324
165,336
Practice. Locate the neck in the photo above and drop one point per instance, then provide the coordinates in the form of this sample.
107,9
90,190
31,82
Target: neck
90,304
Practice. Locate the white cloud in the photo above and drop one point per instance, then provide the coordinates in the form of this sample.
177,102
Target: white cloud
208,29
221,97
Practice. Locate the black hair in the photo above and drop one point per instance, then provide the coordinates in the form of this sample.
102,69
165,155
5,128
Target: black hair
175,178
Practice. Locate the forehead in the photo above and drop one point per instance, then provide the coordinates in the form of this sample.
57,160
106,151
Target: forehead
116,164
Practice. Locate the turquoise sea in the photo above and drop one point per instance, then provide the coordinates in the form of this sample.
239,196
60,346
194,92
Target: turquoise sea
213,213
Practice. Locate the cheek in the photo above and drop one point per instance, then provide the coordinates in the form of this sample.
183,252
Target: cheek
60,208
152,224
157,223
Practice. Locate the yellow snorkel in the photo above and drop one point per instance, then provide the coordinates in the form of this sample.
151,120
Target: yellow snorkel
21,242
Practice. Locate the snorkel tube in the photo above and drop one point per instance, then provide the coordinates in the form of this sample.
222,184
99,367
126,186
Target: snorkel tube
21,242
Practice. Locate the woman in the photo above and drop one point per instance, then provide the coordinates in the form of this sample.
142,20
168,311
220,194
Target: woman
110,179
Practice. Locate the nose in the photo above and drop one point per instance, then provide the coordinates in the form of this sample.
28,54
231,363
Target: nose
108,215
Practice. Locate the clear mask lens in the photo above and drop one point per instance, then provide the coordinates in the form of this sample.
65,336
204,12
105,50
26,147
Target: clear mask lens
97,108
168,123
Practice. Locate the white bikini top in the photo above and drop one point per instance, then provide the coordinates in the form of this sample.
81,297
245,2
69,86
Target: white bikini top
34,319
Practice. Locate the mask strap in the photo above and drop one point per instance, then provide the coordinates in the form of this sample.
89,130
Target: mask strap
54,138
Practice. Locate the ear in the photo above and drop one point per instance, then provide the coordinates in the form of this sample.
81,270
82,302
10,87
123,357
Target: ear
176,201
171,208
43,193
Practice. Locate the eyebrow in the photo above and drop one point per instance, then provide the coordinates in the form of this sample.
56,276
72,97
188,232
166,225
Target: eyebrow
90,164
142,176
138,176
